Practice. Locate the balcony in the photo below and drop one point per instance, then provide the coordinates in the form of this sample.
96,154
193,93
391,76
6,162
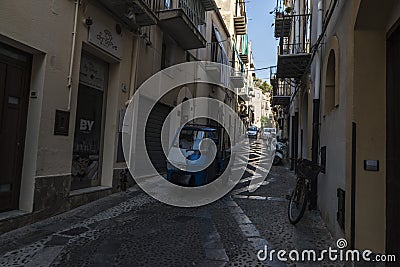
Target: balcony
216,53
294,56
240,25
237,80
217,72
244,57
240,18
283,25
243,110
244,49
281,92
132,13
184,21
293,65
244,92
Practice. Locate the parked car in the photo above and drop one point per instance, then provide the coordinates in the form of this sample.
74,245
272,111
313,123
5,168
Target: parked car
252,132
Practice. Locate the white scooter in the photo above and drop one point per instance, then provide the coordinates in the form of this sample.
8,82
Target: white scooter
279,153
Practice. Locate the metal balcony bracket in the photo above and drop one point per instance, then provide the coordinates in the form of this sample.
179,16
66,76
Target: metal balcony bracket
136,13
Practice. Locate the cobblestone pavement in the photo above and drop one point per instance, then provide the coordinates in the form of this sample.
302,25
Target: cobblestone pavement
132,229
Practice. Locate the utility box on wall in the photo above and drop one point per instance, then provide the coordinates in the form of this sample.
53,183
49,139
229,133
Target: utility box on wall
61,123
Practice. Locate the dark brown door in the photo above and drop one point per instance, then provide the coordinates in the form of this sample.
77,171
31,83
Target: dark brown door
14,91
393,144
154,126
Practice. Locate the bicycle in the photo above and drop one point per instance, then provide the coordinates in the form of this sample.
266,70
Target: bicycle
307,171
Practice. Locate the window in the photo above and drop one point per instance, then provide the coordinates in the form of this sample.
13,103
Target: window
331,100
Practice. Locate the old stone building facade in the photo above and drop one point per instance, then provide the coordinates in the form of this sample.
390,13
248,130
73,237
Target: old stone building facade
68,69
343,115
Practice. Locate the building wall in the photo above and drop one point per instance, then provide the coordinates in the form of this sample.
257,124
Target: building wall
45,187
361,83
43,29
370,91
333,126
369,114
256,101
227,9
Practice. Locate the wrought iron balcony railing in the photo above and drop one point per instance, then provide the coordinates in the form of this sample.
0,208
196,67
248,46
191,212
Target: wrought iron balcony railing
216,53
237,80
283,25
280,87
294,45
240,25
281,91
240,18
184,20
244,49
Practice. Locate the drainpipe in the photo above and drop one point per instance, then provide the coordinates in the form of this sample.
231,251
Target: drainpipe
316,107
71,64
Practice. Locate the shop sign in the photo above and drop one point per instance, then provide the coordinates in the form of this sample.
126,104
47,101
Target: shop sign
106,38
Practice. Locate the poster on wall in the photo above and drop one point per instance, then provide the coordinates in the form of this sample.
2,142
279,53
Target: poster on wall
92,73
86,151
86,158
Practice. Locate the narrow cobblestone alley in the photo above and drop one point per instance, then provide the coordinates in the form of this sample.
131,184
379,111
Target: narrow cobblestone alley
207,133
132,229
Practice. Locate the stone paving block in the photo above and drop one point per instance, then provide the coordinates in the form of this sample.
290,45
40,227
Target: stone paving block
58,240
213,244
241,218
235,210
212,263
231,203
45,257
249,230
216,254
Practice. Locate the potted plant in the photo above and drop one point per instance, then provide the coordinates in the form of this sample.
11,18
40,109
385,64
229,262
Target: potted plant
288,10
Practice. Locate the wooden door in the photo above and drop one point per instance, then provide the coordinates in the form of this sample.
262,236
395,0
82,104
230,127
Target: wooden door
14,91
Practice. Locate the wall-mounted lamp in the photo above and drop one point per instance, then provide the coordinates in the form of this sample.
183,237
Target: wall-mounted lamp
88,21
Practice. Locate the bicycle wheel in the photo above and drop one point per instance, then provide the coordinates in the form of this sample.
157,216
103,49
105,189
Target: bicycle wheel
298,201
